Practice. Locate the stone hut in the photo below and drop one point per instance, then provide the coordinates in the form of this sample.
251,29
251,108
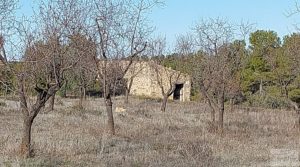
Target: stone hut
148,77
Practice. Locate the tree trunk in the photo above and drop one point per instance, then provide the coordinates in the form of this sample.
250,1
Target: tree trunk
64,92
231,105
108,102
286,91
108,106
221,108
81,98
114,89
164,103
26,138
298,113
84,92
261,87
212,113
127,90
6,91
204,93
221,115
51,103
110,121
126,96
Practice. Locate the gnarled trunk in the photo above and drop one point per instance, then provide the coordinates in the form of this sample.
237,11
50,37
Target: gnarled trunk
26,138
110,121
126,101
107,100
28,117
51,103
108,106
29,113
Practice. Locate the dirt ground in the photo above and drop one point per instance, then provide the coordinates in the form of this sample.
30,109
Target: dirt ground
182,136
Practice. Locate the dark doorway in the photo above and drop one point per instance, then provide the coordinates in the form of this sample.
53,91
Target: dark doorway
177,94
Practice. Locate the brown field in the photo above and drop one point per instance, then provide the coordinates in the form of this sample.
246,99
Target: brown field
183,136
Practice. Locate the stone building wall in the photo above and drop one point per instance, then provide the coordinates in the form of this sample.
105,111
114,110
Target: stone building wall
141,82
146,83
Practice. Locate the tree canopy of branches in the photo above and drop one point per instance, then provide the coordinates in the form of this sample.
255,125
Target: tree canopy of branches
216,72
121,32
44,61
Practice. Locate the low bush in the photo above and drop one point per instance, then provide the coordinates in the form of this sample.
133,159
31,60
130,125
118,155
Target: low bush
267,101
294,95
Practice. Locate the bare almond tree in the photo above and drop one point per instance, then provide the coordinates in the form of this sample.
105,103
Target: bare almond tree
45,82
43,63
82,47
215,70
72,14
185,45
121,29
7,22
165,77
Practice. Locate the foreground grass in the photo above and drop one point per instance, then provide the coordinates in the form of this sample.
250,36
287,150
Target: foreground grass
183,136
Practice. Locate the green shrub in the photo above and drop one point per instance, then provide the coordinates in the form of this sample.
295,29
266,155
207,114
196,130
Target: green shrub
276,102
295,95
267,101
273,91
196,96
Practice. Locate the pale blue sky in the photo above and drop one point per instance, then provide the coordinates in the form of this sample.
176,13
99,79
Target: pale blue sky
178,16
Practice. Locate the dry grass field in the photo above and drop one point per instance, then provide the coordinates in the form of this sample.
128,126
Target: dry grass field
183,136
